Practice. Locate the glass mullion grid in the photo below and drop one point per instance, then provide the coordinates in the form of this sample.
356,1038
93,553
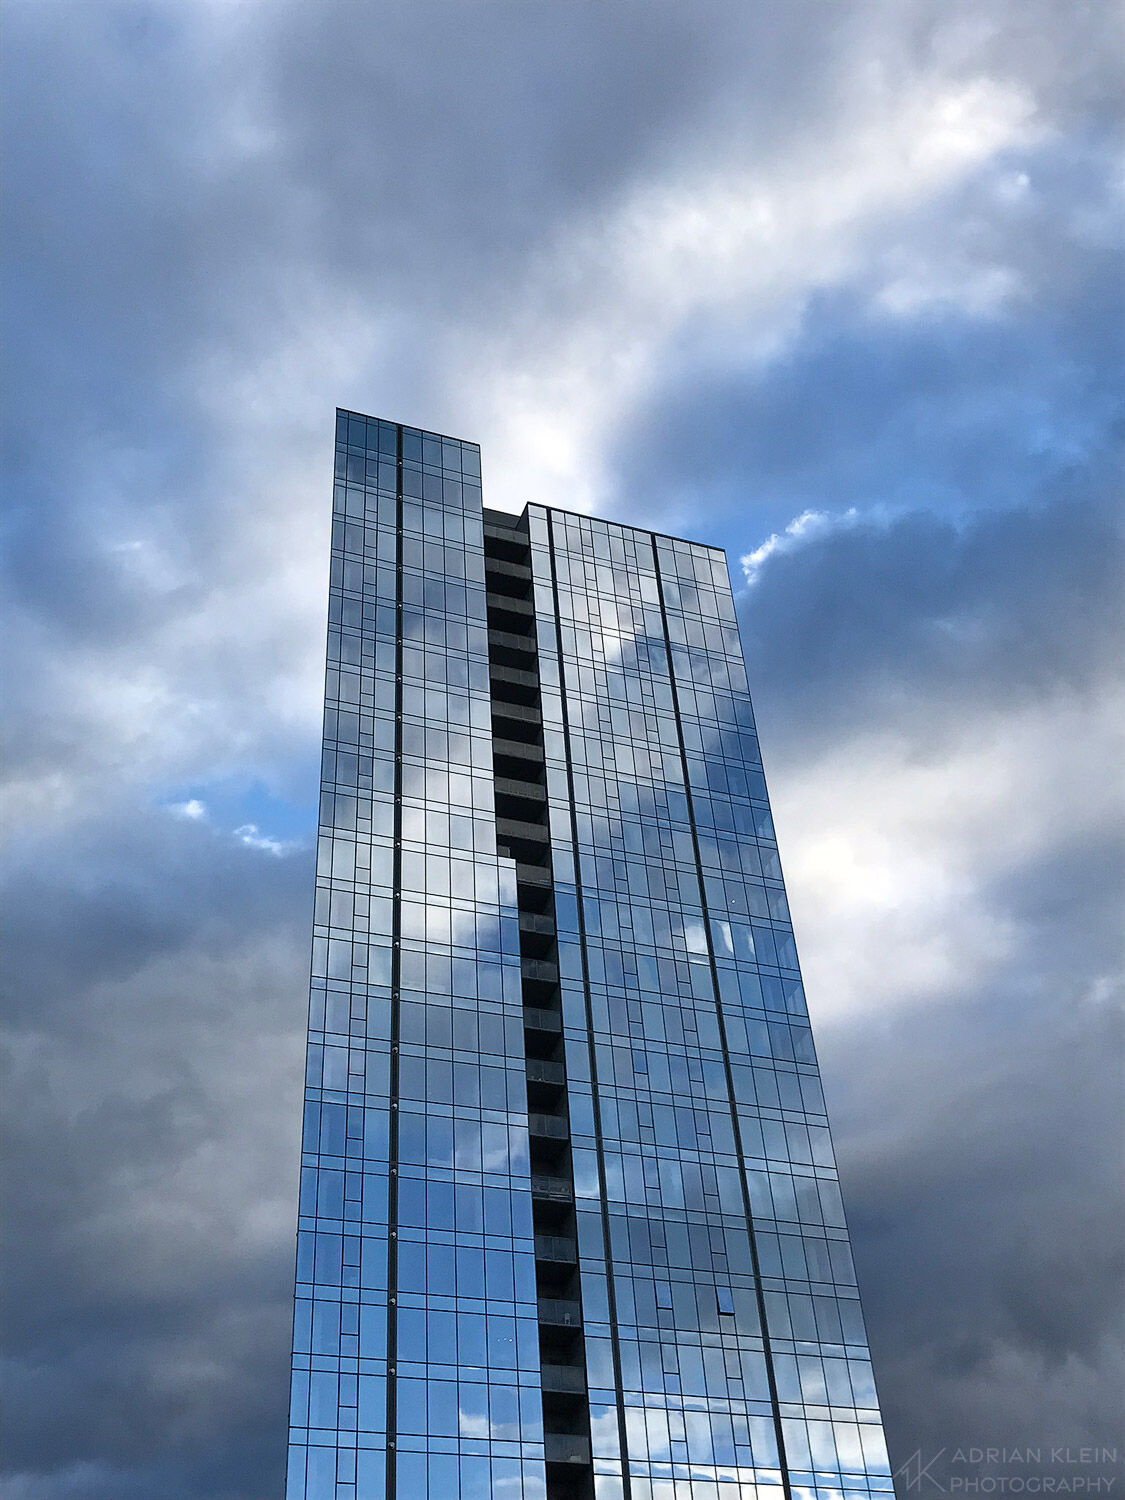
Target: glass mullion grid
599,1304
341,1324
469,1406
761,1307
339,1341
819,1381
587,692
492,1444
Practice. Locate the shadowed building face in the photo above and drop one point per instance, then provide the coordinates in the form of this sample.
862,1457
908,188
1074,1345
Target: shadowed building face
570,1223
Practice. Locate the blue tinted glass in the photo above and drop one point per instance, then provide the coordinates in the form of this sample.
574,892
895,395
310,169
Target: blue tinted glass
569,1214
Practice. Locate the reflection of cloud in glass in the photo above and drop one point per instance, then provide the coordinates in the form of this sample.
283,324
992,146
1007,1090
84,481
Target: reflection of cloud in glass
695,936
603,1428
489,1412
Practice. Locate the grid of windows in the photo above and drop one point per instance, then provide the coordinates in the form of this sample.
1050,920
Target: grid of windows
721,1332
415,1246
713,1225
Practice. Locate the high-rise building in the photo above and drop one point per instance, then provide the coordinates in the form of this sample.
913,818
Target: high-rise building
569,1220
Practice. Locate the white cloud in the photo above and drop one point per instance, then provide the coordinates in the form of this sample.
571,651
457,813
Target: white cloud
192,809
893,841
250,835
803,528
977,291
731,253
726,242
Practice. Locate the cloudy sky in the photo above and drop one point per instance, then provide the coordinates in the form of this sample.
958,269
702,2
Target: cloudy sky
834,284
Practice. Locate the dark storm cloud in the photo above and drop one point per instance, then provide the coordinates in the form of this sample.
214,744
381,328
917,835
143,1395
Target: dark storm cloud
978,1122
888,620
979,1125
988,1233
208,176
153,1059
116,894
986,1199
219,166
224,220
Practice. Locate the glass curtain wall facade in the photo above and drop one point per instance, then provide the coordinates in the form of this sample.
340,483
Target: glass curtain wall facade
569,1222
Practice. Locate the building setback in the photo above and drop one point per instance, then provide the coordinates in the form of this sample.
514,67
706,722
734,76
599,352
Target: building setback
569,1220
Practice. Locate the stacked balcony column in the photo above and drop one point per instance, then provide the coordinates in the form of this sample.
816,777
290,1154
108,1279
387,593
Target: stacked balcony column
522,832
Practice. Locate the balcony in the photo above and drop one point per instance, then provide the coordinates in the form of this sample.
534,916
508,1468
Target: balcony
547,1023
511,649
533,875
570,1448
541,1032
536,924
540,971
503,528
520,800
504,546
537,936
556,1250
507,575
515,714
517,721
513,685
545,1079
540,1070
548,1127
547,1189
540,981
523,840
560,1312
563,1380
517,615
520,752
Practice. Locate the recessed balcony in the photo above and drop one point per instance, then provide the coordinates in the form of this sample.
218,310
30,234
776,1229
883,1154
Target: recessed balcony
560,1312
566,1448
563,1380
551,1189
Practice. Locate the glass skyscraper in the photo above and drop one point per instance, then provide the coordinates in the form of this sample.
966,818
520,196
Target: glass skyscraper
569,1219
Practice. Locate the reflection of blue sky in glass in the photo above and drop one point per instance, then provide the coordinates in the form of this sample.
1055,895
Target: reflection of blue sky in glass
415,1243
688,1303
716,1278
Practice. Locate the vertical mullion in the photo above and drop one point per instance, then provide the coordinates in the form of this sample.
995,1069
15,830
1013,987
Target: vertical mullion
396,939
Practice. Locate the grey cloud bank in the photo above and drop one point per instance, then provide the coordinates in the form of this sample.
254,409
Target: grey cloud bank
710,268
